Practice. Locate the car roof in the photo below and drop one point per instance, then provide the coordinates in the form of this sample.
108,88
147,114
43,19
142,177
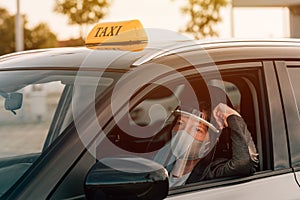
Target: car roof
78,57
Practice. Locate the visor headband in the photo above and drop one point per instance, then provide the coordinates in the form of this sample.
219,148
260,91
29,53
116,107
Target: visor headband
211,126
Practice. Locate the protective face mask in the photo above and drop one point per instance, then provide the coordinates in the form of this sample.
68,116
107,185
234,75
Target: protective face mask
180,143
195,150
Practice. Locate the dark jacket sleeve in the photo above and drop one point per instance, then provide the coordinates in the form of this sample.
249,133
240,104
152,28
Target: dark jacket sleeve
244,158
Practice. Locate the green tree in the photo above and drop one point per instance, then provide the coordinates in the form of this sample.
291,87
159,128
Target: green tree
82,12
38,37
7,25
203,15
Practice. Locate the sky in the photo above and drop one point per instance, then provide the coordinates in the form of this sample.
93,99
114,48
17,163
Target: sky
161,14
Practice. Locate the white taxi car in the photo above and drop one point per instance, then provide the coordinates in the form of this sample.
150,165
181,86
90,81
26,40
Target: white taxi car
86,122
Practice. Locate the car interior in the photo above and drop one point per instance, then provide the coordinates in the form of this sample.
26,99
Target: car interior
243,102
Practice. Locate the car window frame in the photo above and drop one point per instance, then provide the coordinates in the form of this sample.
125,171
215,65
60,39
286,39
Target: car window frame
273,129
236,66
59,116
277,129
290,109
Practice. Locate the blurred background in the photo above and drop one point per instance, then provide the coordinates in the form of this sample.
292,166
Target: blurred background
34,24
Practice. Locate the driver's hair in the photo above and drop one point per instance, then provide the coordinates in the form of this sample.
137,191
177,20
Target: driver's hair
202,107
205,108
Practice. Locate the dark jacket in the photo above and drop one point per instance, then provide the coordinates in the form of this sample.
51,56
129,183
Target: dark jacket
244,158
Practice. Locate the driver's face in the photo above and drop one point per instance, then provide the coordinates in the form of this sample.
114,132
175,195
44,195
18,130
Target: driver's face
192,126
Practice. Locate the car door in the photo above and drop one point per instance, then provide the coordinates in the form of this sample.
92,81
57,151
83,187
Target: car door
258,104
288,78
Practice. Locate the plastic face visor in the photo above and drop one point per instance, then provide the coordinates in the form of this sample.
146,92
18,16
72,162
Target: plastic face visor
211,126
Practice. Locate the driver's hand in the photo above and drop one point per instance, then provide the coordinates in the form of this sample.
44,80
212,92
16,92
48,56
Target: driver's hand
222,112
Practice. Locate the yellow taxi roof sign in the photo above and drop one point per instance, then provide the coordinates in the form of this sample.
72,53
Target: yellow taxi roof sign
122,35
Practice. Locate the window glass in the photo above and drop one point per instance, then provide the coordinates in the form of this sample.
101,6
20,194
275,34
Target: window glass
294,74
35,107
25,131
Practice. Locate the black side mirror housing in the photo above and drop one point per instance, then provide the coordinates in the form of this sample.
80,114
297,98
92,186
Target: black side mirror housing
127,178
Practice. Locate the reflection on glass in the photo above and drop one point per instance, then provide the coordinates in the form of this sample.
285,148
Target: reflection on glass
25,132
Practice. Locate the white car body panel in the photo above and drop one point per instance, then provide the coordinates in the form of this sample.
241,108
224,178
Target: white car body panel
275,188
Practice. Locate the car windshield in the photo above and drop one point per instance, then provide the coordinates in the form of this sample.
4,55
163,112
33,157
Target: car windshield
35,107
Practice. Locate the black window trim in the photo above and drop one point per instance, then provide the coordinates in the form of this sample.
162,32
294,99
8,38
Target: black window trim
276,118
290,108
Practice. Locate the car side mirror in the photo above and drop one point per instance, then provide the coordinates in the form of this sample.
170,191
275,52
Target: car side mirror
127,178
